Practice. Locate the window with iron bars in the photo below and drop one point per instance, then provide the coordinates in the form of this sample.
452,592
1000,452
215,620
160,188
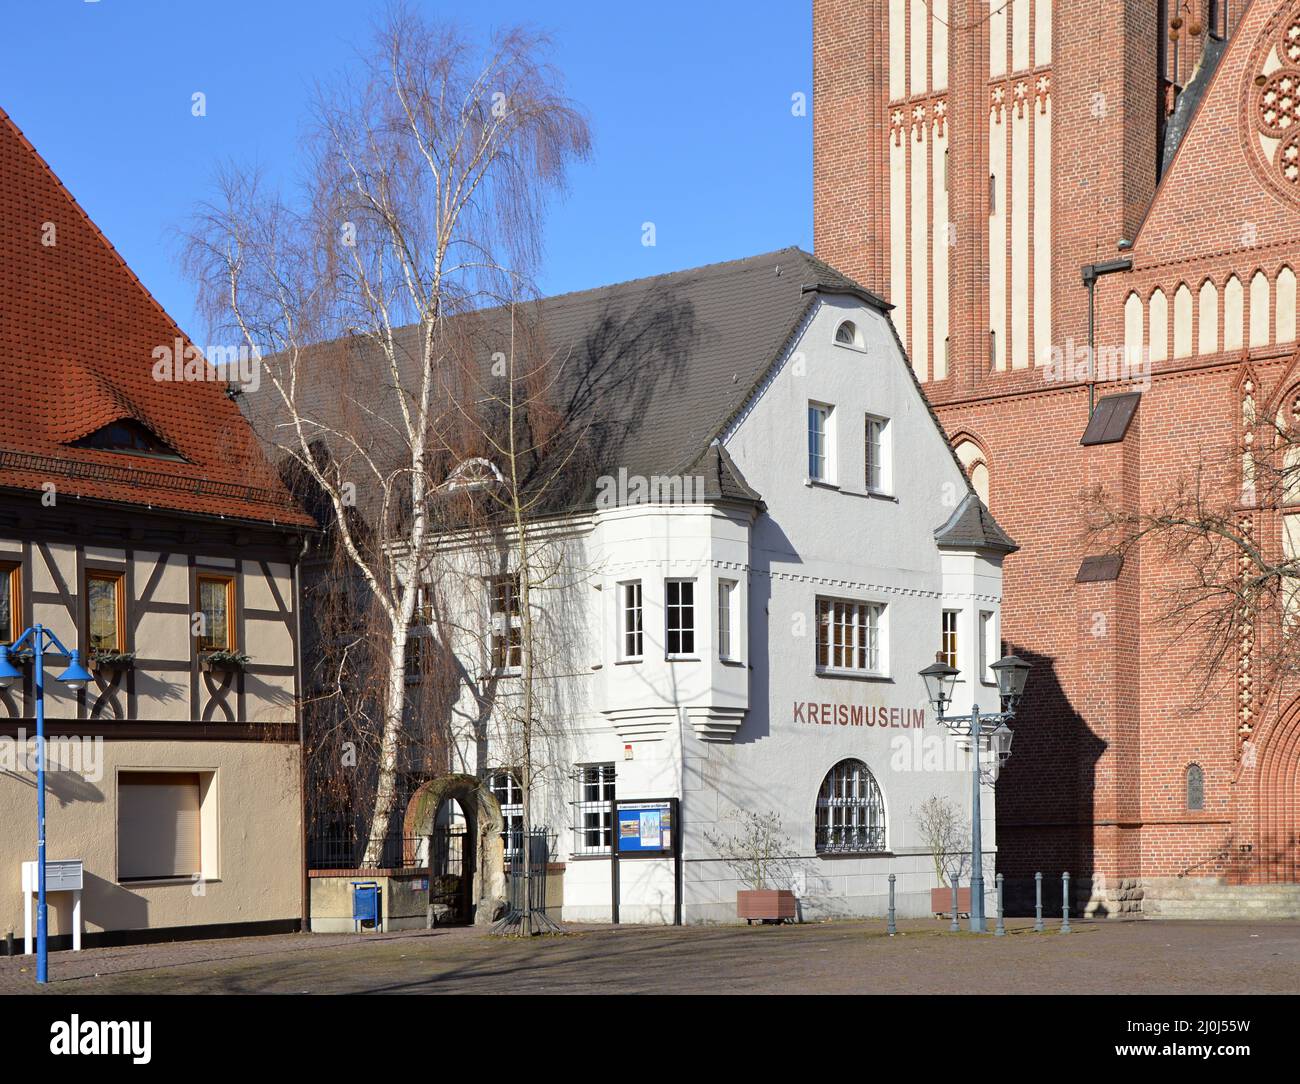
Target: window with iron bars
510,797
850,811
593,808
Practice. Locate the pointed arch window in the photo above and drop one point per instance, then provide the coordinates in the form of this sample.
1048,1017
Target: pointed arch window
850,811
1195,785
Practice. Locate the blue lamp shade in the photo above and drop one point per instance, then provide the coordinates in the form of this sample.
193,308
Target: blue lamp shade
76,675
9,673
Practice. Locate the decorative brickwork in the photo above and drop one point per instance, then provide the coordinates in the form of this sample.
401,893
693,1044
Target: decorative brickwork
1097,783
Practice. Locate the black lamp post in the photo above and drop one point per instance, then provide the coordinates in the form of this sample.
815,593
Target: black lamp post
939,679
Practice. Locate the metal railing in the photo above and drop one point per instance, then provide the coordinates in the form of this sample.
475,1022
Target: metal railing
346,849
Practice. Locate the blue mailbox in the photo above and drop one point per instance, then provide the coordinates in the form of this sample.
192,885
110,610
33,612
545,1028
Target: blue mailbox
365,904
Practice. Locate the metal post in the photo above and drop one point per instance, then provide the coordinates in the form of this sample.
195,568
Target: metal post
38,665
977,851
1065,902
892,928
1001,930
956,924
1038,902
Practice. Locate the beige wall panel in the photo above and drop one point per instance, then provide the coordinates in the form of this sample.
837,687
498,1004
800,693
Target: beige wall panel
259,839
257,592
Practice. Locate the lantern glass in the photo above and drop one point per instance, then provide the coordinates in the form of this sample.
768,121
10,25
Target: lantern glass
1011,674
939,679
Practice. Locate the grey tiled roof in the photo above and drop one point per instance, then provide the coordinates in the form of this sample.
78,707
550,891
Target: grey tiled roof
972,526
650,370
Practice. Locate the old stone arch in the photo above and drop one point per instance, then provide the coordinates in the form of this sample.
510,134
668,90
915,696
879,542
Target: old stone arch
484,854
1278,795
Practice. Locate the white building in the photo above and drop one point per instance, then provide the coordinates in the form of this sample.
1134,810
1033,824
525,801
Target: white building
776,540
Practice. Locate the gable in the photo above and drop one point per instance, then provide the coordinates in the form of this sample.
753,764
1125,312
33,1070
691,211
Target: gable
1244,201
80,341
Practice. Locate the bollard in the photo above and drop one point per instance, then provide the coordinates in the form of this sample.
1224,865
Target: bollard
1065,902
1038,902
892,928
956,926
1001,930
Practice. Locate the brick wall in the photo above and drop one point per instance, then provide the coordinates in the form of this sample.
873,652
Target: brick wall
1115,712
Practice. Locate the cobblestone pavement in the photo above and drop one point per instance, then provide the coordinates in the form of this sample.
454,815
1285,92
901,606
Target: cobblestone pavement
833,957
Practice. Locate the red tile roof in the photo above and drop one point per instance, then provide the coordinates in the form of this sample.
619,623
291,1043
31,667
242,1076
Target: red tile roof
78,332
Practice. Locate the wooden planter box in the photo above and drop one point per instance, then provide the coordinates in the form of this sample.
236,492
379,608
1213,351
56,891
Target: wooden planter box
109,666
941,901
766,905
219,666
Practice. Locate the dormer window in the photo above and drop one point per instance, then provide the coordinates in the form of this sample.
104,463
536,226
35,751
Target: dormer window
847,334
473,474
127,435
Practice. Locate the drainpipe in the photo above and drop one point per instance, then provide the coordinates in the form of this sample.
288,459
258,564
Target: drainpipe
304,886
1091,272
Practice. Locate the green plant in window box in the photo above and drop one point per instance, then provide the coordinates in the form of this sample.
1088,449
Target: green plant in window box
213,661
111,660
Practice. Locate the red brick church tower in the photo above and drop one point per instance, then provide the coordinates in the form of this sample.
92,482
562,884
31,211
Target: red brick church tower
1022,178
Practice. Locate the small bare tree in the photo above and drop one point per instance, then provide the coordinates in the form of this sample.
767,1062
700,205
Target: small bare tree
426,185
1225,532
947,834
757,851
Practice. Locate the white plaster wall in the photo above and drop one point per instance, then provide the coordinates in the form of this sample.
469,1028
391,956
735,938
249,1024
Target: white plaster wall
813,540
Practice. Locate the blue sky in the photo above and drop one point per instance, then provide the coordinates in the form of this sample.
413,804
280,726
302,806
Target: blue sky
690,106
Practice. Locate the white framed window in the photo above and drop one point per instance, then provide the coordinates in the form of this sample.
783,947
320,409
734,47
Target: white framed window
679,618
631,645
728,621
989,652
846,334
850,811
504,784
877,454
821,441
948,637
506,626
851,636
593,808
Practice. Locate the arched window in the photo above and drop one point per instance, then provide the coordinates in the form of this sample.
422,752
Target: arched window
1195,787
850,811
847,333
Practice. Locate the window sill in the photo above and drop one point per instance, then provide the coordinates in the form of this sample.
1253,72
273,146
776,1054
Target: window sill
630,662
870,495
603,856
681,658
855,854
853,675
821,483
731,662
160,882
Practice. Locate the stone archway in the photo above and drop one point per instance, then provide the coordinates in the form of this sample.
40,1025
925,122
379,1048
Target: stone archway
483,830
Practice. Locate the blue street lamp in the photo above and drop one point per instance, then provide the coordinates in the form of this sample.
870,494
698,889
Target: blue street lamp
38,639
939,679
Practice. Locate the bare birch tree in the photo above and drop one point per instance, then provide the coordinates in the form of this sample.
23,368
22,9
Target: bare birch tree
426,184
520,416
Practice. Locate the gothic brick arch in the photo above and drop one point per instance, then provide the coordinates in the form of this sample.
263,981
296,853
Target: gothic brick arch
1277,798
972,453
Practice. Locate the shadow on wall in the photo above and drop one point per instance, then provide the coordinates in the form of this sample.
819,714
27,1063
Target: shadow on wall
1045,796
